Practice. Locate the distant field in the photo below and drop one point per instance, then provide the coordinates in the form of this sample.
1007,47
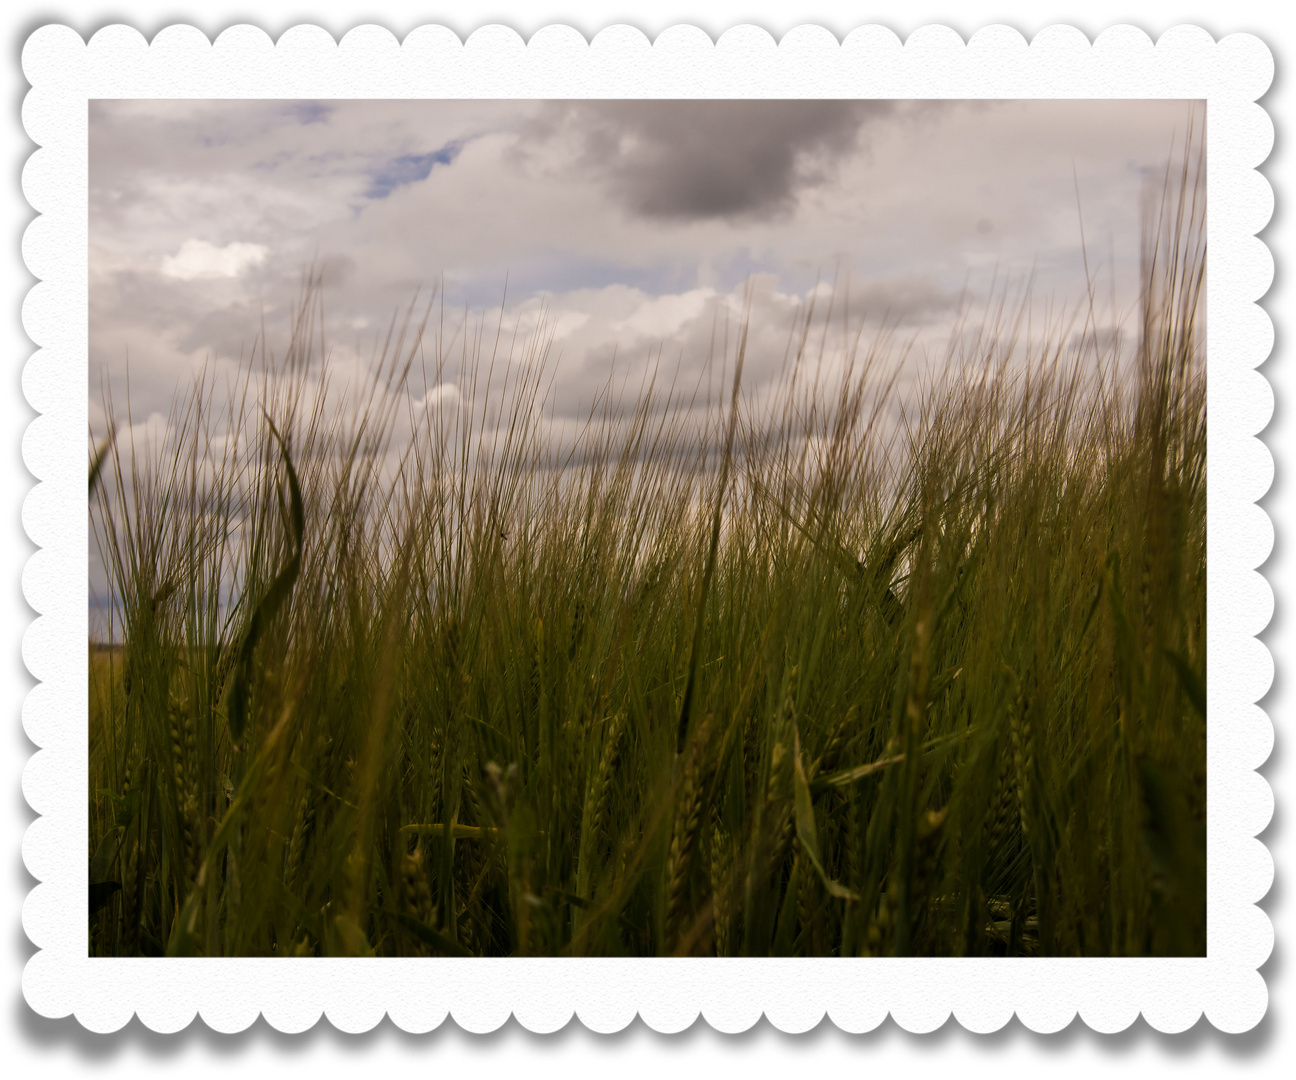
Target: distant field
790,679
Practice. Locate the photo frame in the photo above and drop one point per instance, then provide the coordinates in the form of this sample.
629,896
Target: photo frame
669,994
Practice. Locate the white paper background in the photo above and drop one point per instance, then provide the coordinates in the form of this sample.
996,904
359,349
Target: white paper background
840,18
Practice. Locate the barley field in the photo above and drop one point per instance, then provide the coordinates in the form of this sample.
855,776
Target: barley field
852,670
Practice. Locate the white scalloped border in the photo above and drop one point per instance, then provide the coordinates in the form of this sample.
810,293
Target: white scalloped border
1186,62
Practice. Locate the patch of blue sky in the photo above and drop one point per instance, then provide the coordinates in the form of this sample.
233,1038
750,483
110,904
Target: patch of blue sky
410,169
728,272
308,112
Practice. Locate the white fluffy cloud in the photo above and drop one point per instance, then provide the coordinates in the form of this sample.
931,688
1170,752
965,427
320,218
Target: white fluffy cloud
199,259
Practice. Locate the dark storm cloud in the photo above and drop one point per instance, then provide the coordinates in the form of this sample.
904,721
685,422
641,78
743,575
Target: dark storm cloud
410,169
705,159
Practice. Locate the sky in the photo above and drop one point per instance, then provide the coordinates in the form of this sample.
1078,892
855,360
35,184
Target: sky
631,223
626,236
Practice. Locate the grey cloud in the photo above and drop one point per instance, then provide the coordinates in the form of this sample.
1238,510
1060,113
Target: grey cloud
226,332
902,301
335,269
695,359
704,159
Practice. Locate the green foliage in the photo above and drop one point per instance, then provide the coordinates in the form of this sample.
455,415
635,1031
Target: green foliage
846,674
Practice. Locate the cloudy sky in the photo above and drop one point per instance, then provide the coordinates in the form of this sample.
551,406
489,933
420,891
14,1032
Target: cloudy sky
632,222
